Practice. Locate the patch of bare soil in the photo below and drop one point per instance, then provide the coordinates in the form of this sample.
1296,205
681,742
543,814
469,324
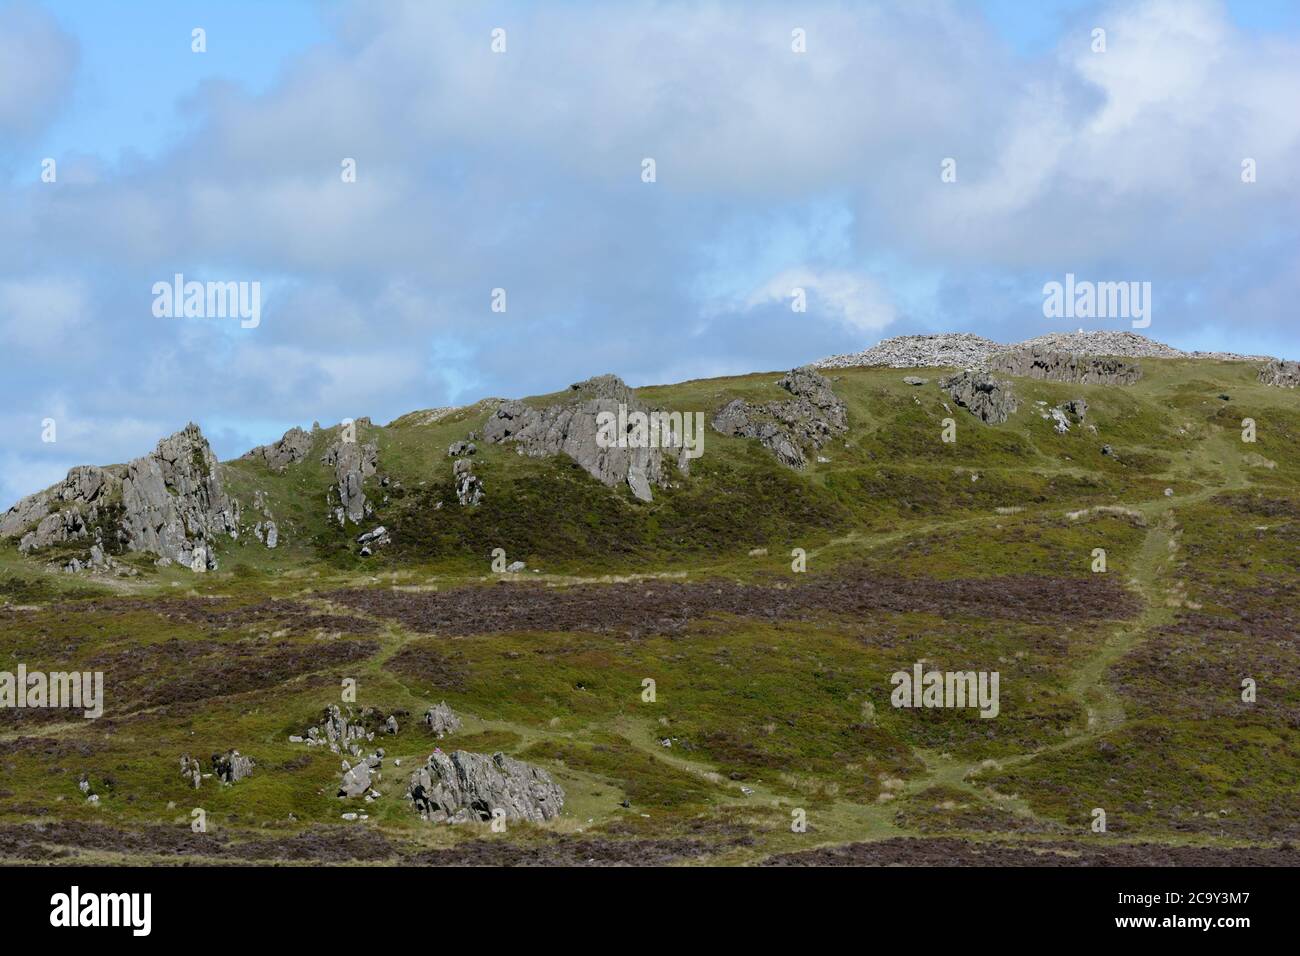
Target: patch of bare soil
942,851
667,607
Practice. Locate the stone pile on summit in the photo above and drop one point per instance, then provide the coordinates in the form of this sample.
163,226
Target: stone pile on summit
964,350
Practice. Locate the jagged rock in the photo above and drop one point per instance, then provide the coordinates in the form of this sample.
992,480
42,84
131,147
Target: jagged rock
1076,407
231,767
272,535
1073,367
571,428
469,487
1281,374
459,448
787,428
914,380
292,448
356,780
441,720
353,463
390,725
170,503
988,399
373,539
336,730
191,771
514,567
462,787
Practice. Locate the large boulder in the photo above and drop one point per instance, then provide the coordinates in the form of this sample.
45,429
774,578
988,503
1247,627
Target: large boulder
461,787
441,720
231,767
571,428
989,400
788,428
170,503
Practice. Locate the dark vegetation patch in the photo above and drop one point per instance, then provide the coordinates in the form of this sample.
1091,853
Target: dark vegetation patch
943,851
560,511
178,671
667,607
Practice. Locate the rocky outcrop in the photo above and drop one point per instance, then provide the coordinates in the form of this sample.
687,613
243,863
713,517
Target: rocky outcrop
353,462
469,487
458,449
1280,374
170,503
463,787
788,428
232,766
359,778
441,720
571,428
292,448
988,399
339,731
191,771
373,540
1073,367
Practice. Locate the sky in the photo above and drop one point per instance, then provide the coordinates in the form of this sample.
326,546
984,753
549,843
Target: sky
523,169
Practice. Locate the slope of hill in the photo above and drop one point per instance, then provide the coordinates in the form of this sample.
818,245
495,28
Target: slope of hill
707,674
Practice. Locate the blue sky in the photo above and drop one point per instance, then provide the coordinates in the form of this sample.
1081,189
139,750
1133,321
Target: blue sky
522,170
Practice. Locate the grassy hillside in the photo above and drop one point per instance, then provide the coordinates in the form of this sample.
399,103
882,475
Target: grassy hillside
1120,690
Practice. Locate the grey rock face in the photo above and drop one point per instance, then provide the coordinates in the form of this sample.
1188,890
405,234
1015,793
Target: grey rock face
988,399
292,448
170,503
1281,374
570,428
373,540
338,731
469,487
787,428
1076,407
232,766
459,448
1074,367
462,787
441,720
353,463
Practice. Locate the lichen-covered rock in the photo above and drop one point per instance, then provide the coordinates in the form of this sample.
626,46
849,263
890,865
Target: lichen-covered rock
461,787
1053,366
170,503
989,400
571,428
1280,374
788,428
441,720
